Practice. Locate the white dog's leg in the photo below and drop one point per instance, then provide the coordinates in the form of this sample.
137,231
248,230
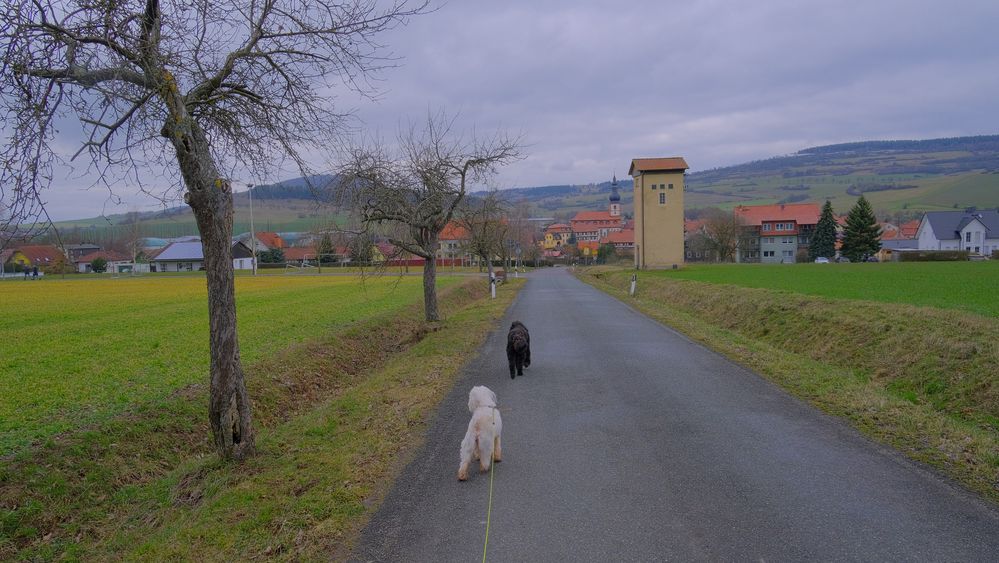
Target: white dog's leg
486,441
467,450
497,451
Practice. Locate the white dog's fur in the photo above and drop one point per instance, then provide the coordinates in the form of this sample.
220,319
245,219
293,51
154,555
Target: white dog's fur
482,440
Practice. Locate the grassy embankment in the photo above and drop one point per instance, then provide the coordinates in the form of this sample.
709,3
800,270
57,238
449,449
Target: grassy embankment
336,402
890,359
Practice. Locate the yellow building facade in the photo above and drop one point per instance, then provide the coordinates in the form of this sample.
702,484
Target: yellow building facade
659,189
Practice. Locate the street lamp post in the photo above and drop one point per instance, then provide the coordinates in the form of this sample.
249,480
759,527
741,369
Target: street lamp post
253,234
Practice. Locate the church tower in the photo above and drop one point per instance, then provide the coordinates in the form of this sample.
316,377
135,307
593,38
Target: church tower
615,199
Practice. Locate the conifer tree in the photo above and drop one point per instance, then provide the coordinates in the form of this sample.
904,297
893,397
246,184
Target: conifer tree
824,240
862,235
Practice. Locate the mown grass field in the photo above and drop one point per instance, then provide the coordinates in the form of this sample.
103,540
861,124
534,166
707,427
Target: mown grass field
79,351
340,397
967,286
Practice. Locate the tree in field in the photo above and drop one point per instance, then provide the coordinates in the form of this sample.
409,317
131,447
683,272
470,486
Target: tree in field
605,253
483,218
862,235
420,188
360,248
272,256
99,265
824,240
325,249
184,91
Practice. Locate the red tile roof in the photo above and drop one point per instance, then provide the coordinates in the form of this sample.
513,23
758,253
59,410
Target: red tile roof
657,164
693,225
558,228
619,237
909,229
109,255
42,254
595,216
299,253
272,240
800,213
454,231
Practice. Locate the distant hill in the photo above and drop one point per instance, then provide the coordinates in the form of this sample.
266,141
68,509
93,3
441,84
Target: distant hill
898,177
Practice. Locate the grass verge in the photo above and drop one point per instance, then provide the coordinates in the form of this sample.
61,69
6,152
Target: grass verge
333,417
921,379
966,286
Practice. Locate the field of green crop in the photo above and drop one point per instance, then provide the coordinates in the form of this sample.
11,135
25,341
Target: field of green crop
968,286
78,351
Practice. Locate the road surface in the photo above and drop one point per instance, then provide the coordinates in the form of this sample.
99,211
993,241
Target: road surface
625,441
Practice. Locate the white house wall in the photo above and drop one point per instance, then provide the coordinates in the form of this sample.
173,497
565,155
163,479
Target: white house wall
927,239
974,238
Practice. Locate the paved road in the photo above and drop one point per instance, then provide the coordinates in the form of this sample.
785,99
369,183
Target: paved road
627,442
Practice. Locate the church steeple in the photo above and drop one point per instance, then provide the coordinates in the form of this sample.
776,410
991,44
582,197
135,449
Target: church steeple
615,199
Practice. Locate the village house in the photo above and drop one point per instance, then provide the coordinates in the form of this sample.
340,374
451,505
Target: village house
116,261
42,256
77,251
591,226
452,245
971,230
263,241
775,234
556,236
189,257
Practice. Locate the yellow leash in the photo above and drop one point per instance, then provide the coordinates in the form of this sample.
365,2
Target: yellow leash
489,510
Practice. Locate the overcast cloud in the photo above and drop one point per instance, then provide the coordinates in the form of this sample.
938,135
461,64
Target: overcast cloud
592,84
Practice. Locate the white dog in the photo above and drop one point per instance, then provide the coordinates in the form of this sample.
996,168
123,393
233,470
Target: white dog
482,440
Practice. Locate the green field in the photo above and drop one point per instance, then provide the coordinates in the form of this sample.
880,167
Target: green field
967,286
78,351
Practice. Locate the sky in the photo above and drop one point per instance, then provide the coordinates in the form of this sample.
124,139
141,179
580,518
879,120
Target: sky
592,84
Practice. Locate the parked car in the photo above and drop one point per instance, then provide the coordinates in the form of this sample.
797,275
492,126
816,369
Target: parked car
842,259
821,260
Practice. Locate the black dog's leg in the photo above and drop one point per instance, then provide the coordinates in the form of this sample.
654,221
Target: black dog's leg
527,357
510,358
520,363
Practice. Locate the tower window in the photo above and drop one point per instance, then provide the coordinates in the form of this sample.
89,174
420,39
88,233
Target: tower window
662,198
653,186
671,186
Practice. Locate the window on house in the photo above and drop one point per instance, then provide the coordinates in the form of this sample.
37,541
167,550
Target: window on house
653,186
662,198
671,186
788,254
967,236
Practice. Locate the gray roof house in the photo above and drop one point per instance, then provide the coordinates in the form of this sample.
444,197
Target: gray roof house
189,257
971,230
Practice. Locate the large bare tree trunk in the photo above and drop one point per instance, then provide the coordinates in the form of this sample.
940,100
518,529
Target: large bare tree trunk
430,288
211,199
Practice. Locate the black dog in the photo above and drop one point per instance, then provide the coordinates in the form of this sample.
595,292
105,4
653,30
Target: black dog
518,348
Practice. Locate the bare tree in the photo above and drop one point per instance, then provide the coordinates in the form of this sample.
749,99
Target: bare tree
421,187
190,87
483,218
721,232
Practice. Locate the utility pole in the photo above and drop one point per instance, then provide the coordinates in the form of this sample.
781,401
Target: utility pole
253,234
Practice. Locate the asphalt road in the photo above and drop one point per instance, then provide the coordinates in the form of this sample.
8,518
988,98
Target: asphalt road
625,441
